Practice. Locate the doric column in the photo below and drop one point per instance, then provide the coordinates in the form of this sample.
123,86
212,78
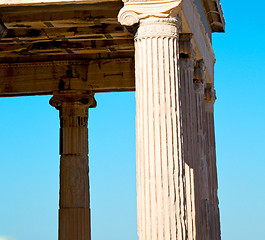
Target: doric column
201,166
189,134
161,201
74,212
210,97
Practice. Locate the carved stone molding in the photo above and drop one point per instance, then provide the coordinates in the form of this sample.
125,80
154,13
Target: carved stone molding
158,27
62,63
40,64
134,11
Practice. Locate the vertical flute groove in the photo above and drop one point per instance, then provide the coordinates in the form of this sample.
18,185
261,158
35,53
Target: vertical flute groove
188,104
202,168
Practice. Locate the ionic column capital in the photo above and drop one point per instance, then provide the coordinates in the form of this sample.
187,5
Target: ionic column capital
186,49
210,94
134,11
82,98
199,78
186,52
209,97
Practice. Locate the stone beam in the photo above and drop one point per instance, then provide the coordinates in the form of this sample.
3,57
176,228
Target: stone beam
63,47
191,23
42,78
59,11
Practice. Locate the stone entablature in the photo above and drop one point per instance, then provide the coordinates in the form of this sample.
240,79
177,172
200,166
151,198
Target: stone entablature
23,42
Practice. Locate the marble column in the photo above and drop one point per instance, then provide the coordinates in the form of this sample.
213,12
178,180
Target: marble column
209,98
74,205
187,60
160,156
160,163
201,166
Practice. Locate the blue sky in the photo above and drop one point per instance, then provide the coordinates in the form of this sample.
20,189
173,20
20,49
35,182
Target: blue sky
29,140
239,118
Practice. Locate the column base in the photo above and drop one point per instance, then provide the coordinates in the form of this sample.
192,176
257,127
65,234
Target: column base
74,224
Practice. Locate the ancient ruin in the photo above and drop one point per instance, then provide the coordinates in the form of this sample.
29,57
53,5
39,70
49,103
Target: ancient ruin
162,50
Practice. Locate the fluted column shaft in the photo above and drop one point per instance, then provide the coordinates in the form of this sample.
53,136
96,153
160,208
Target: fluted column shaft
189,137
215,233
201,166
74,212
159,132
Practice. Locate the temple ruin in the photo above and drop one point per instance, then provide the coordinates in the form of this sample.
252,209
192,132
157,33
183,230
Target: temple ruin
162,50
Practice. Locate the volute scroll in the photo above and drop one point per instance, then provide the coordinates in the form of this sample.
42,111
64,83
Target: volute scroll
134,11
75,97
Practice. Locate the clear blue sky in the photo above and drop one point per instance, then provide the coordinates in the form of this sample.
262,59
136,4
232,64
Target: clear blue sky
29,166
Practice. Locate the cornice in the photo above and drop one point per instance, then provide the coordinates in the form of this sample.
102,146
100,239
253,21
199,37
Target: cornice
215,15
